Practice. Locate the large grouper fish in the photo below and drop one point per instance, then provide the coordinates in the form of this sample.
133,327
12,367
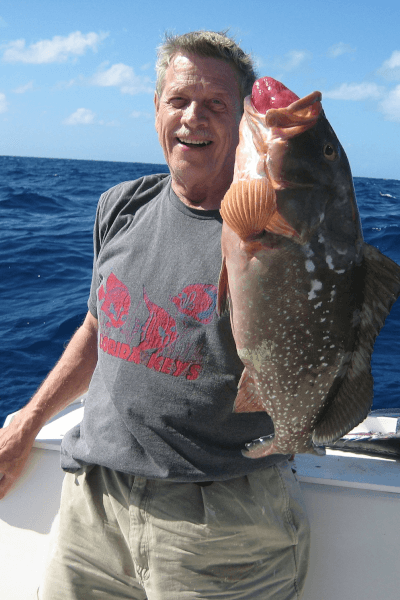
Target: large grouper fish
307,296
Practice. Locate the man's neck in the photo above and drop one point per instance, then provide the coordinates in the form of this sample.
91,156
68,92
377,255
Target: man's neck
198,196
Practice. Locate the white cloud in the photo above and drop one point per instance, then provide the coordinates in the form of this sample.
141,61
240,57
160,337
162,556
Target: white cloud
394,61
293,59
138,114
3,103
391,67
82,116
390,105
58,49
123,77
339,49
355,91
24,88
113,123
64,85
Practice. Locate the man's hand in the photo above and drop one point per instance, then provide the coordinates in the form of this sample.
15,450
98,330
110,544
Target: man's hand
15,446
69,379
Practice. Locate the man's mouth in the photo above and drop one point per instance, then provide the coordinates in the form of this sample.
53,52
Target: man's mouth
194,143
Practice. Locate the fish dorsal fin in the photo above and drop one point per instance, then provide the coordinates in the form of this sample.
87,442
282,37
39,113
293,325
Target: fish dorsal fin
223,290
247,399
353,400
248,206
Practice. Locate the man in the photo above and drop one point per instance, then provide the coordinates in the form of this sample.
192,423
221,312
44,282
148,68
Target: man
158,501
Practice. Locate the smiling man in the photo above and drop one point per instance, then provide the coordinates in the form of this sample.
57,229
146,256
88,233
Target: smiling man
197,120
158,501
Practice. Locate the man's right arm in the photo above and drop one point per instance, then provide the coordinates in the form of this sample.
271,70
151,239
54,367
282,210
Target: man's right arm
69,379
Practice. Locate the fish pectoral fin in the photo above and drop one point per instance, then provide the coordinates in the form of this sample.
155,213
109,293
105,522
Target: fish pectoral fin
247,398
280,226
353,398
223,290
248,206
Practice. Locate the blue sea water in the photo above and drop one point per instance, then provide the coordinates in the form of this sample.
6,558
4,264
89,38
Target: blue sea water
47,210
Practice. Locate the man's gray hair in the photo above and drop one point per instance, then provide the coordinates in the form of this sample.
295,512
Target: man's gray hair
211,44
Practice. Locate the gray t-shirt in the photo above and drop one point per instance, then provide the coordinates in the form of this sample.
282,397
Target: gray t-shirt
160,401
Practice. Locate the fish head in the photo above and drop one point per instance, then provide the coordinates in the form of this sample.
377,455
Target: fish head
288,142
272,115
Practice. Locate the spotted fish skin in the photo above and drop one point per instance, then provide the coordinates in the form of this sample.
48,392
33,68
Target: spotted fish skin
307,296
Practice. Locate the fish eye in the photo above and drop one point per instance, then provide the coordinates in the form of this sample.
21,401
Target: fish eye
330,152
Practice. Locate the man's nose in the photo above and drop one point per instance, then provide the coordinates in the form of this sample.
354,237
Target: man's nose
195,114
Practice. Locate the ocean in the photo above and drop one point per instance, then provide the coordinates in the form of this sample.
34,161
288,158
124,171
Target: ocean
47,210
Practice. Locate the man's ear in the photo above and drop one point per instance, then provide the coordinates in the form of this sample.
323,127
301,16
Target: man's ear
157,106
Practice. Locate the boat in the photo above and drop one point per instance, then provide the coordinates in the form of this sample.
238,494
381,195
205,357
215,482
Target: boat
352,499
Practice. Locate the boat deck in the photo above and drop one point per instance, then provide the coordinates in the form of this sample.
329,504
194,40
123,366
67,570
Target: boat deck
353,503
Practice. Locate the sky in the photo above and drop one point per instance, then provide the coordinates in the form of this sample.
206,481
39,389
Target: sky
77,77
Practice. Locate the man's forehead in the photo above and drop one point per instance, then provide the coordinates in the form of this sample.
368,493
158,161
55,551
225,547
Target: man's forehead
186,70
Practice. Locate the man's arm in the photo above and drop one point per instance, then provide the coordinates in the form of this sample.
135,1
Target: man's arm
69,379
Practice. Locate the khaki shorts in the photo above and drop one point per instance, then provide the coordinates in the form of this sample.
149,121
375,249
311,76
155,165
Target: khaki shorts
120,536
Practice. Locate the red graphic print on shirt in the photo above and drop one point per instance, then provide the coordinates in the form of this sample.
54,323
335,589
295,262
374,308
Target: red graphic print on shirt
197,301
166,344
117,301
157,333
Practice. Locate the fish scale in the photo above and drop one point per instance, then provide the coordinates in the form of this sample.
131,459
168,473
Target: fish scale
294,367
307,297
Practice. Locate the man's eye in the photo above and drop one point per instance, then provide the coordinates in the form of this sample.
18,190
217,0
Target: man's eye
177,101
216,104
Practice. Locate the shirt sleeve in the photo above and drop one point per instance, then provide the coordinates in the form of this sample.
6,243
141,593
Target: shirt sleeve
95,285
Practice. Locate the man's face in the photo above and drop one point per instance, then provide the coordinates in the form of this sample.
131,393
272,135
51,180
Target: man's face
197,121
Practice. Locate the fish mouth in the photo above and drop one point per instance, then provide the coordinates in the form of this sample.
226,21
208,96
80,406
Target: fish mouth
194,143
284,184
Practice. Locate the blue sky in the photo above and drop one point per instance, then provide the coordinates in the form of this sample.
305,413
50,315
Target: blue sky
77,77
